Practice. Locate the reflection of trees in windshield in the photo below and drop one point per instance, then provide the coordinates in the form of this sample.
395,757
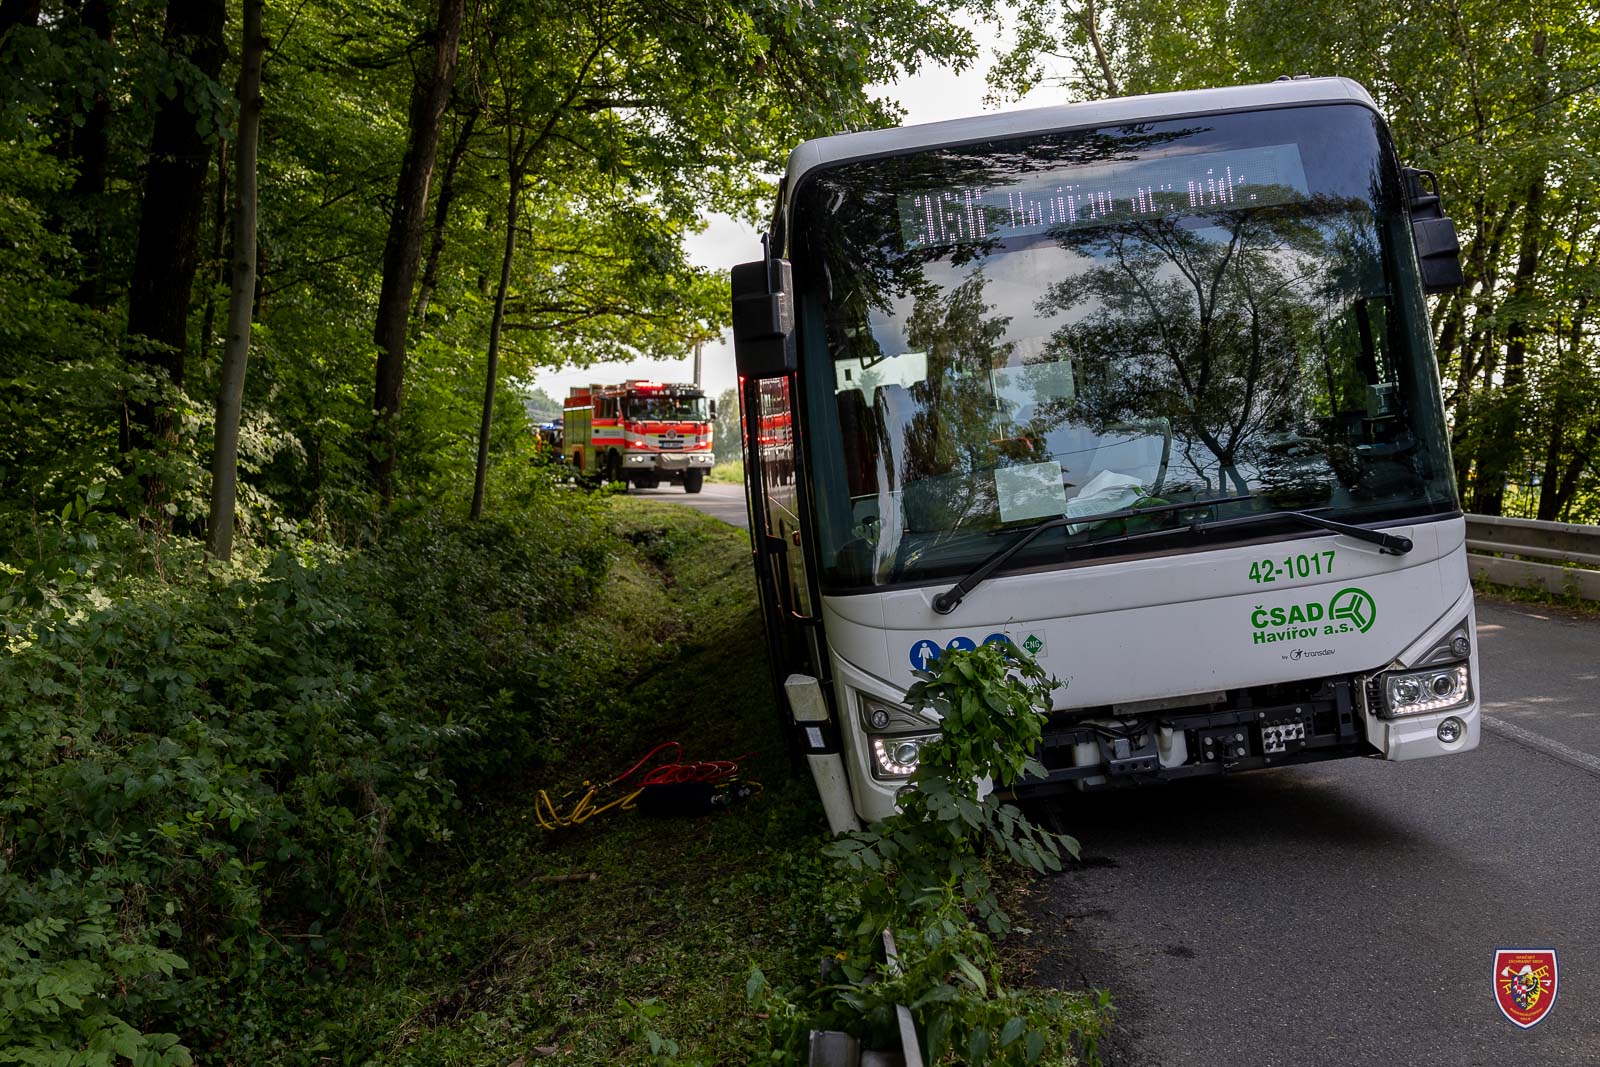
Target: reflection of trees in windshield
865,266
941,429
1204,321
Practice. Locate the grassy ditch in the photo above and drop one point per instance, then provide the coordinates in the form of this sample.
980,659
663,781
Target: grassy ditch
1540,597
476,960
284,812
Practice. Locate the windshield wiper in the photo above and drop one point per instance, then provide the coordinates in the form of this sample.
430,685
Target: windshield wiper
947,601
1388,544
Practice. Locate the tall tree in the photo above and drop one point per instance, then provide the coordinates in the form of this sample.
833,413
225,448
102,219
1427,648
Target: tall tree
241,298
91,150
169,222
1499,100
407,224
441,213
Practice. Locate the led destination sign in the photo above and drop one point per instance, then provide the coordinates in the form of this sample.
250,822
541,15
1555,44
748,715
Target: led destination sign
1104,193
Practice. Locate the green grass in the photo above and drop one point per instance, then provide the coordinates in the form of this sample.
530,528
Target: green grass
1541,597
731,472
476,962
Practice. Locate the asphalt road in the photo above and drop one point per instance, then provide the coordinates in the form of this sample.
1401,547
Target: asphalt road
1346,913
717,499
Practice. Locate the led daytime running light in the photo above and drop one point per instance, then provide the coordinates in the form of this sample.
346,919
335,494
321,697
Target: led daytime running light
895,757
1421,692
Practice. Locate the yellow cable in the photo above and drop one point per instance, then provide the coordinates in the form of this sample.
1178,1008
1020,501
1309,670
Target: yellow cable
582,811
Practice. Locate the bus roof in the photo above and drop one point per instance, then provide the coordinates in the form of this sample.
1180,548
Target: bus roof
847,146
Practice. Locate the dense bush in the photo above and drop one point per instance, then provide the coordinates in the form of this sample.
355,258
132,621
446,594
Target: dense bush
201,768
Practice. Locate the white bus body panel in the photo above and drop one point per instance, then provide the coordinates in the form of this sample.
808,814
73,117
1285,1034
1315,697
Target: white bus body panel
1118,632
1154,107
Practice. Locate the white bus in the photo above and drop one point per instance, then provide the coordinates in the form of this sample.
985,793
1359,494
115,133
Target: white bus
1144,386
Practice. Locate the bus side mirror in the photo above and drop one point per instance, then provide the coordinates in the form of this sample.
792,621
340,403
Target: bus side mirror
1438,248
763,319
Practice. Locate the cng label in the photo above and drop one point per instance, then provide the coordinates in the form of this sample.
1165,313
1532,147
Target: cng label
1348,611
925,650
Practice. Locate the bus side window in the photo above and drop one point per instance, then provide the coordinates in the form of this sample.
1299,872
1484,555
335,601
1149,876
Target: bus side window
776,444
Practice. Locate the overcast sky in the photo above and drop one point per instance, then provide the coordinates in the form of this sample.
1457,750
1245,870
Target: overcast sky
929,96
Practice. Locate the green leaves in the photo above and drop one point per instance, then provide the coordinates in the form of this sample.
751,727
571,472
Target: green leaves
192,761
1502,106
923,872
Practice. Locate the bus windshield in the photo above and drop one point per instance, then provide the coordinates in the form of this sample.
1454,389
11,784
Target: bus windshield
1094,321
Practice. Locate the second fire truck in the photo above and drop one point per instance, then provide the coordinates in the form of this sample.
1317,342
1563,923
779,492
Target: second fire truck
640,432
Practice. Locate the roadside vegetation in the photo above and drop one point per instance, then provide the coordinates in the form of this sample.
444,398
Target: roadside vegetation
292,620
730,472
927,881
1538,597
283,810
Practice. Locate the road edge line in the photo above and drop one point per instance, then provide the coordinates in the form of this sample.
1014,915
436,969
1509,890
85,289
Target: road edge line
1539,743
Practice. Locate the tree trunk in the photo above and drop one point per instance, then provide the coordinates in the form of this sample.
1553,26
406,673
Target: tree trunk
1581,455
403,248
219,249
1569,369
241,299
441,217
169,228
91,151
1500,449
513,209
1088,20
1485,255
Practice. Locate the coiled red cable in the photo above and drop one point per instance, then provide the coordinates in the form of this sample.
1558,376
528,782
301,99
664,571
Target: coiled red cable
674,771
621,792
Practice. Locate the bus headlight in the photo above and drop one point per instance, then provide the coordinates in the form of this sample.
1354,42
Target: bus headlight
1421,692
895,735
896,757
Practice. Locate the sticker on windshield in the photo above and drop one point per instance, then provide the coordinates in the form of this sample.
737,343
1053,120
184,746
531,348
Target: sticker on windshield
1348,611
1030,491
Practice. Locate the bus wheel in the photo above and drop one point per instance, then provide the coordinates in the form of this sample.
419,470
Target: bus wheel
692,481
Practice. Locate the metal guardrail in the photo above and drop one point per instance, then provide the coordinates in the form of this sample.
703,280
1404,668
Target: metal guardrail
1558,557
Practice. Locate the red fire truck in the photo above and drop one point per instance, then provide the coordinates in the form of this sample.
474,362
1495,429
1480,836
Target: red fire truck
641,432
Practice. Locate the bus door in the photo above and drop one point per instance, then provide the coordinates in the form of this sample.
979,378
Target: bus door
765,352
779,507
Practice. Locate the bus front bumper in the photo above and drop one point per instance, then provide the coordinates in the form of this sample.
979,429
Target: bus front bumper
1088,750
1271,726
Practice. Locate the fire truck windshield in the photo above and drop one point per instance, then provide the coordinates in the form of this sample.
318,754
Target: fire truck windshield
666,409
1094,321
